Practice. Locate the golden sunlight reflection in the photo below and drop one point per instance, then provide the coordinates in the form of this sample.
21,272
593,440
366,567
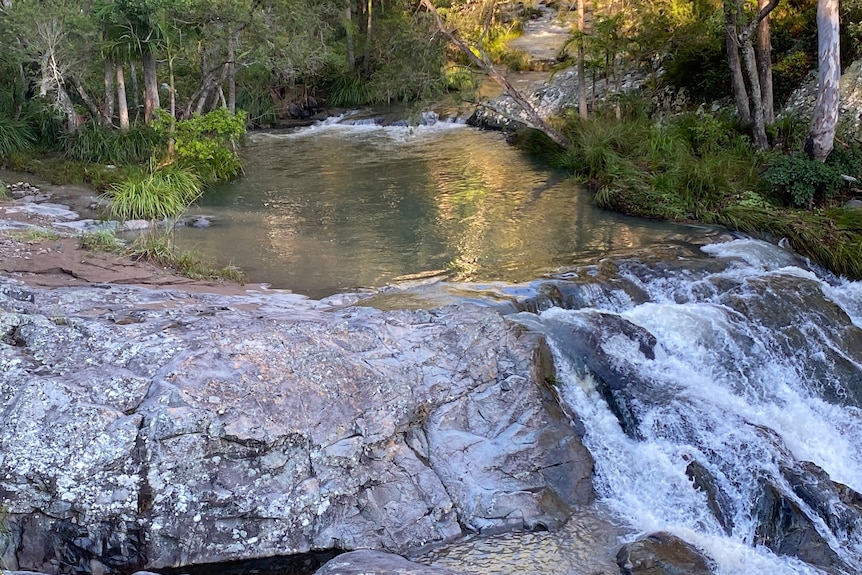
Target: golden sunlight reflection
342,208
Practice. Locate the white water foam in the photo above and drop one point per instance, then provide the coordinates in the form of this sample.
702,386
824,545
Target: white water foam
725,397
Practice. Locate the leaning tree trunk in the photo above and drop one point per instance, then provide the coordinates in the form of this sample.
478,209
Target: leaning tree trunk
481,60
763,50
151,84
68,108
821,135
122,102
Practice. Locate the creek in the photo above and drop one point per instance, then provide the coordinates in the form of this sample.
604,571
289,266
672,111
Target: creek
719,380
349,204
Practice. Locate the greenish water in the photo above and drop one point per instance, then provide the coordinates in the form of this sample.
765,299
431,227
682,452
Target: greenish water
337,207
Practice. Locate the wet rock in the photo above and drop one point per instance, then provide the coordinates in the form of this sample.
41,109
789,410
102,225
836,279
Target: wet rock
662,554
366,562
785,528
135,225
719,502
807,321
222,428
590,343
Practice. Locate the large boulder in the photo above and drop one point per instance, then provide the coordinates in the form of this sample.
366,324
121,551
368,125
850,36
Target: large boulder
142,429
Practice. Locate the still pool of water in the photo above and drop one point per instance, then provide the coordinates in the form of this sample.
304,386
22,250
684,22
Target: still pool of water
337,207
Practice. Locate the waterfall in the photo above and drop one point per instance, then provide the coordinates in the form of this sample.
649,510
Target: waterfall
721,396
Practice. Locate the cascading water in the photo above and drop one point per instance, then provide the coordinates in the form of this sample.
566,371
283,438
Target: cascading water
721,399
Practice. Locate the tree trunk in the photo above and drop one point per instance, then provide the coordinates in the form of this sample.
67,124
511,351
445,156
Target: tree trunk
232,42
582,80
136,92
366,60
65,103
110,97
351,49
481,60
151,84
88,101
763,50
758,126
737,80
122,103
821,135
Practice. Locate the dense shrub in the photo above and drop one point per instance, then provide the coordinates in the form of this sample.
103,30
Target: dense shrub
803,179
207,145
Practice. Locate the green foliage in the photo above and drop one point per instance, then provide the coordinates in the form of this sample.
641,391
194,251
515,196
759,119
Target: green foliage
846,160
207,145
802,178
346,89
160,194
101,241
45,121
97,144
15,136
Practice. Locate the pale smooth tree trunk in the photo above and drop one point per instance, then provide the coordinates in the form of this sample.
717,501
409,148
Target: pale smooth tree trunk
65,103
122,102
821,135
758,124
232,42
110,97
351,48
763,50
151,84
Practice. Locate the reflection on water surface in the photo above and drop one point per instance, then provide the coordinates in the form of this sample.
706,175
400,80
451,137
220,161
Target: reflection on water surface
339,207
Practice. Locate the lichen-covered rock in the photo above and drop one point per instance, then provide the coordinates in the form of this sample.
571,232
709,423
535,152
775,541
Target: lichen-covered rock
141,429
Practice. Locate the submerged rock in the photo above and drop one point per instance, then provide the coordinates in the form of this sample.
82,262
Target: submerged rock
218,428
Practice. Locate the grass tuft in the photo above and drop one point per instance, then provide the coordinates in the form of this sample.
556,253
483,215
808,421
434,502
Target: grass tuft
157,195
161,249
101,241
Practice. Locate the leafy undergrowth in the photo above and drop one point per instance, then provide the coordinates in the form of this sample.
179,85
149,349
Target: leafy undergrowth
700,168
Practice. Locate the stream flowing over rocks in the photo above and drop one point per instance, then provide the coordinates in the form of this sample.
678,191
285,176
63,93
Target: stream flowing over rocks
142,429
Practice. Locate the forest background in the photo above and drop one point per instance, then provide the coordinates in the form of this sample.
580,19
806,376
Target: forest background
148,100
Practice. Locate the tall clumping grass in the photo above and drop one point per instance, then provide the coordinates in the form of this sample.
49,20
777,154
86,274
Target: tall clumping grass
94,143
15,136
158,194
